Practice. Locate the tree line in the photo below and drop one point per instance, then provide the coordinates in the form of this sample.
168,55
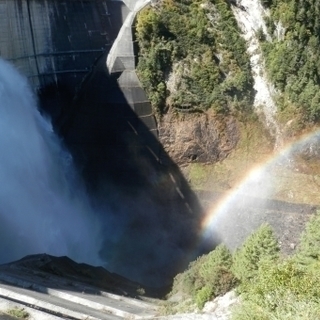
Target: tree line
270,285
292,59
203,40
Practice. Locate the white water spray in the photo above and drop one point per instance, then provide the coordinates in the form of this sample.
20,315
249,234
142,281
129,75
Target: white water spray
43,208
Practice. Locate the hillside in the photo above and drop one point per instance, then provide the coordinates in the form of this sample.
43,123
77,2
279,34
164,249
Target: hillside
235,87
225,96
194,56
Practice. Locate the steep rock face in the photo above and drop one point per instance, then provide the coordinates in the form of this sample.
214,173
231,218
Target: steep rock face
250,17
198,138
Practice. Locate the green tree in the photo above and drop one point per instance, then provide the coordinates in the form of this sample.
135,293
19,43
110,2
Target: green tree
258,247
308,251
215,271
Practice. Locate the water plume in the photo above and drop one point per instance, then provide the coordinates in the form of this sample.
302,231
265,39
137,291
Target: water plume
43,207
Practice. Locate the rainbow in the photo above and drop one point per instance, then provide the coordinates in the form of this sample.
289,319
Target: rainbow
256,184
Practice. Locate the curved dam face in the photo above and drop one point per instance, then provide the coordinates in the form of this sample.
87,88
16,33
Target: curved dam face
54,43
150,217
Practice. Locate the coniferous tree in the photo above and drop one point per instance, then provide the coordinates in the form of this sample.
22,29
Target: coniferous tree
207,277
215,272
292,60
308,252
260,246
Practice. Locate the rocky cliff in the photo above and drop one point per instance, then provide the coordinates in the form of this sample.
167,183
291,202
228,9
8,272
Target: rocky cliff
198,138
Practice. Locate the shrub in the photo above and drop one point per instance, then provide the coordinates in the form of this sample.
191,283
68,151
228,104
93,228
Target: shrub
215,271
203,295
290,308
207,277
281,290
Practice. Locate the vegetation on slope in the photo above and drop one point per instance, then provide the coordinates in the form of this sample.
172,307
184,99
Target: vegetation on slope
270,286
209,276
199,42
292,57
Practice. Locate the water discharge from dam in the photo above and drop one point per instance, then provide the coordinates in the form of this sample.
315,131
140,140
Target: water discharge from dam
143,222
135,213
43,208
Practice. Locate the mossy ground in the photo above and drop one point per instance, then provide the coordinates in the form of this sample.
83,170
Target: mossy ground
18,313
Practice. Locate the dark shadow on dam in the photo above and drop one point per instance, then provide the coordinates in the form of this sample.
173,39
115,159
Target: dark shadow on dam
151,218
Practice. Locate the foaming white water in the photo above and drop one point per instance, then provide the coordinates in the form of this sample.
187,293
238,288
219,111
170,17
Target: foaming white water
43,208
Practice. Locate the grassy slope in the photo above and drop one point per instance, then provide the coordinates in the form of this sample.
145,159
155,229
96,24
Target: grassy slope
300,184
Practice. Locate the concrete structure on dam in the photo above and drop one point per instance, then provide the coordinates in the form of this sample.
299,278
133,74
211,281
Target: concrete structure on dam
55,44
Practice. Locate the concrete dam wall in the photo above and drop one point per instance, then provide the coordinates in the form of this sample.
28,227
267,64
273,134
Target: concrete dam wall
51,41
55,43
